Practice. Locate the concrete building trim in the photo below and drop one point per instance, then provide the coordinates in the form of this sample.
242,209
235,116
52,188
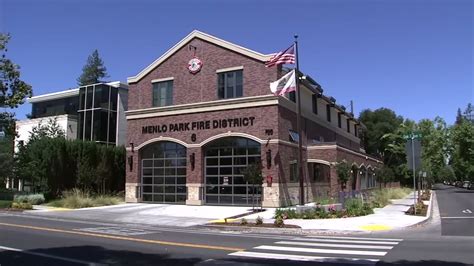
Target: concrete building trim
160,138
162,79
203,36
229,69
320,162
231,134
54,96
212,106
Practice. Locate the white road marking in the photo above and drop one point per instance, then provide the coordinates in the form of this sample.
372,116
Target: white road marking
348,241
51,256
459,217
324,251
299,257
356,238
332,245
466,211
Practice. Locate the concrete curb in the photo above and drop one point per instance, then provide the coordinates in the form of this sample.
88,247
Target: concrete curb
428,213
288,231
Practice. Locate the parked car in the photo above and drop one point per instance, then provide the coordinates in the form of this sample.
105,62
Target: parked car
458,184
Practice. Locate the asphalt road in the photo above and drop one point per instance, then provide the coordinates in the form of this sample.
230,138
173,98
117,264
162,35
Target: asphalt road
33,240
456,207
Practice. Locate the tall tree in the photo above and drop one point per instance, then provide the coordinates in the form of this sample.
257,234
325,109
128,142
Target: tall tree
463,151
7,127
13,90
93,71
459,117
379,122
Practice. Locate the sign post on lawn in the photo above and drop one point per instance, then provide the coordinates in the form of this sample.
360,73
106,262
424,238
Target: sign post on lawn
413,151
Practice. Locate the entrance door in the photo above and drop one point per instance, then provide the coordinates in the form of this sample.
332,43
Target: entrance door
224,161
163,173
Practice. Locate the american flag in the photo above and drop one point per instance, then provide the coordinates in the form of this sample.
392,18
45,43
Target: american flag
284,57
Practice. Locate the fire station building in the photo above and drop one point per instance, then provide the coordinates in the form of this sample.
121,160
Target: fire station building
203,111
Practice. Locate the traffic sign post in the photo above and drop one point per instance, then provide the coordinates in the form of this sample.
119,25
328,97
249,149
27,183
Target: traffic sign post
415,146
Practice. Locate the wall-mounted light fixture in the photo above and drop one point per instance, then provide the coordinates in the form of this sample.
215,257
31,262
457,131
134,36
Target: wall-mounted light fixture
192,160
130,162
133,146
269,159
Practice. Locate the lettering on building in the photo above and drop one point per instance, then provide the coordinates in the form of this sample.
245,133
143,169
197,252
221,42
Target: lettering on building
199,125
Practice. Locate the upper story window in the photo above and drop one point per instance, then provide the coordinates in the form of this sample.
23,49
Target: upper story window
328,112
339,120
315,104
348,124
162,93
230,84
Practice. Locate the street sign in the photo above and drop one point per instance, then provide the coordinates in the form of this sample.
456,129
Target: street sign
413,149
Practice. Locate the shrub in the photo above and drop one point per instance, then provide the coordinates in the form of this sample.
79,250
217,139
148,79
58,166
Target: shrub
5,204
22,205
33,199
77,198
382,197
279,222
243,221
259,220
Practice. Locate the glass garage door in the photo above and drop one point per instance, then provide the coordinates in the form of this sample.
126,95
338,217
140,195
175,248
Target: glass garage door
163,167
224,161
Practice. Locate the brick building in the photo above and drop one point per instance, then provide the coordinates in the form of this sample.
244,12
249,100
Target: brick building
203,111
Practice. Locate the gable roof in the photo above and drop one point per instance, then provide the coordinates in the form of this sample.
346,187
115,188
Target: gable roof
206,37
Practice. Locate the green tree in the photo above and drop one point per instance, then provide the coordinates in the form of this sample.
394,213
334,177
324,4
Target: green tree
49,130
7,127
94,70
379,122
463,150
253,175
384,175
343,170
13,90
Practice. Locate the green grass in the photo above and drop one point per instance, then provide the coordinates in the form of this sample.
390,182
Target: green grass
76,198
5,204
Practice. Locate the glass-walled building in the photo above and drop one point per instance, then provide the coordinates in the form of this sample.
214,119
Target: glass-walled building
95,112
100,108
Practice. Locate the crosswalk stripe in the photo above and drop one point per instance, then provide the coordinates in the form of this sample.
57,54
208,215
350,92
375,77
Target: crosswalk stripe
324,251
264,255
356,238
347,241
332,245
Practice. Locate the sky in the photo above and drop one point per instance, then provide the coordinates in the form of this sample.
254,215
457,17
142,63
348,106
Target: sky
414,57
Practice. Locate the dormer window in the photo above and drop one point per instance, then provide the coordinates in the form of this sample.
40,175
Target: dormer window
230,84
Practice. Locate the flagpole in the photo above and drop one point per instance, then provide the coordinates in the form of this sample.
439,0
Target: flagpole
298,121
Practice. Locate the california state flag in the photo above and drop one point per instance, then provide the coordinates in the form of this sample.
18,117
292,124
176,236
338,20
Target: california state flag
285,84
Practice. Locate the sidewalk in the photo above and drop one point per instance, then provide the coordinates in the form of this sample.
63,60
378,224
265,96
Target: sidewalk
390,217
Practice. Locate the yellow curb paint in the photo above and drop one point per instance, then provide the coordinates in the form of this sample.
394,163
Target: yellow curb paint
59,209
149,241
223,221
375,227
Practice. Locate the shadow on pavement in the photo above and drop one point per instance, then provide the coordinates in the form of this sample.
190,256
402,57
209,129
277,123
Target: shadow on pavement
332,262
94,254
423,263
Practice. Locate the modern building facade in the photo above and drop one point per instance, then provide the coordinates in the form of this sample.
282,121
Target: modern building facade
202,112
95,113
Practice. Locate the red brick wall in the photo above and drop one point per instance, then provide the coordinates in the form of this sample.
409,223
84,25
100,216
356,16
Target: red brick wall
202,86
